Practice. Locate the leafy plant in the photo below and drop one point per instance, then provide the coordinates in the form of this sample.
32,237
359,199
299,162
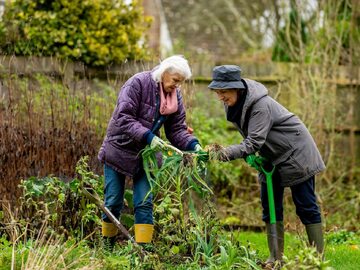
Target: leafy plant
178,174
224,176
188,227
307,258
61,204
341,237
95,32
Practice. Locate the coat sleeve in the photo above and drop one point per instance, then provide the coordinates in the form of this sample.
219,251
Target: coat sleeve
176,128
260,123
125,114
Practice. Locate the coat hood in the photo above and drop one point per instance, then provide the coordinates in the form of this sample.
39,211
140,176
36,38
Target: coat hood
255,91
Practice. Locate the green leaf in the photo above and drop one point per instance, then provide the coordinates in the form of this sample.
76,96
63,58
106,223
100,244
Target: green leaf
175,249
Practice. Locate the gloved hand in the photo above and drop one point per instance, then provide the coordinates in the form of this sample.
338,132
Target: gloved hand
255,161
218,152
157,143
198,148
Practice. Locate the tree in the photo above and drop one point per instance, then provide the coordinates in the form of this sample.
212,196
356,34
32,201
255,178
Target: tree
97,32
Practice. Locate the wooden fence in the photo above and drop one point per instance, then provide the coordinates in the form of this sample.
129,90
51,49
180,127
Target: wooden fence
269,73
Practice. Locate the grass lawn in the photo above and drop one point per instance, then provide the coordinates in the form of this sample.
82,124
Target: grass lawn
341,254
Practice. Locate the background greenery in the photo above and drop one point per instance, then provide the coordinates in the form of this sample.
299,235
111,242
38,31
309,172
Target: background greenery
58,227
97,32
51,118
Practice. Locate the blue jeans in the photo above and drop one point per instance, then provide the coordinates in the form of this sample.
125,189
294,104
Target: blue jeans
114,195
303,196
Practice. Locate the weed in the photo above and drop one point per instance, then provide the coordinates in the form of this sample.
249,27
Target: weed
342,237
306,258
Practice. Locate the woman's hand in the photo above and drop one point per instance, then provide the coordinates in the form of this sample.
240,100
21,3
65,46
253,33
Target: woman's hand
218,152
157,143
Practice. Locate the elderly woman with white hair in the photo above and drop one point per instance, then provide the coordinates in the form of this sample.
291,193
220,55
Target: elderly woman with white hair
146,101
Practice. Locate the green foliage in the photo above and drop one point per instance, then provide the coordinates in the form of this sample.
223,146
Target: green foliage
307,258
303,40
96,32
202,244
186,228
46,252
342,32
61,204
5,254
338,256
48,103
342,237
288,43
179,174
209,122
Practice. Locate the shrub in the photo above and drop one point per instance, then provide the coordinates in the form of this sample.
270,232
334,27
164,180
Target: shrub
96,32
60,204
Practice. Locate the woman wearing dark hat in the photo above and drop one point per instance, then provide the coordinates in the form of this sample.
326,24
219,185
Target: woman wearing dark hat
279,136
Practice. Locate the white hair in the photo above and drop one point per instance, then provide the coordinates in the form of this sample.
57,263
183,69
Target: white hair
173,64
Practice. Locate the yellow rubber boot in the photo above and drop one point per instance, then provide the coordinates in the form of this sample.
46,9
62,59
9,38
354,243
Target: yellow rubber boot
109,229
144,233
109,232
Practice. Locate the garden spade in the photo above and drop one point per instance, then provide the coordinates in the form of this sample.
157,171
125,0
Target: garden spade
94,197
257,162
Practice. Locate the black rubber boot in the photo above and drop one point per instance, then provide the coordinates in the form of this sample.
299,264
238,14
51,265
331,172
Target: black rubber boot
315,235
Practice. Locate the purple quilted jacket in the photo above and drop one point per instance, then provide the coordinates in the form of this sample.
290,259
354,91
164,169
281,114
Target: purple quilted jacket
132,118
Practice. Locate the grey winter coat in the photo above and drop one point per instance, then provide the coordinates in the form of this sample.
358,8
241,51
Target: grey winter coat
133,116
276,134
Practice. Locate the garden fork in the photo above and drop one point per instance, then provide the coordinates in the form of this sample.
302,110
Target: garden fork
257,162
94,197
